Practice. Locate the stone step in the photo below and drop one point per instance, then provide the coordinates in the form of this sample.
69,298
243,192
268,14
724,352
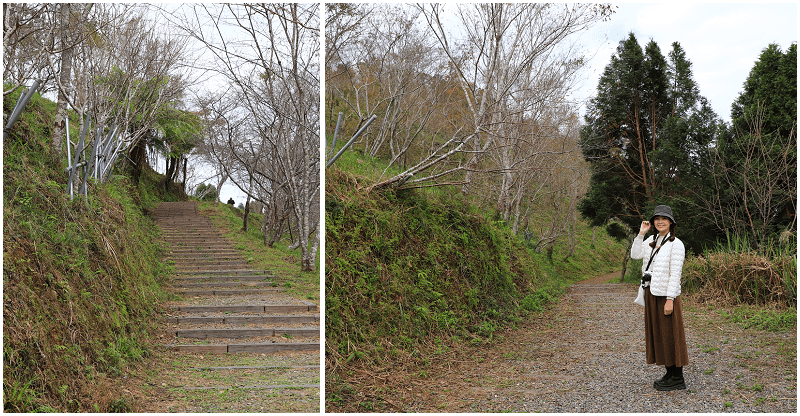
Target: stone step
256,348
178,226
183,269
185,230
188,230
257,367
199,259
199,246
245,319
225,284
232,272
271,309
227,292
199,263
200,272
196,240
257,387
205,333
224,278
191,254
199,249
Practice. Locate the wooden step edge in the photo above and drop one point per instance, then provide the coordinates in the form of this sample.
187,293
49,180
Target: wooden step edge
306,307
203,272
223,292
243,319
232,272
249,348
233,333
225,278
223,284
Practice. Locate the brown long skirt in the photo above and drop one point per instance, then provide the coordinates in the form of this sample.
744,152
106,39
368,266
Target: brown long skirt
664,335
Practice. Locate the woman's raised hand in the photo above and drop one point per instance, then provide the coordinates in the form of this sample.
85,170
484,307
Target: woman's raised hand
644,228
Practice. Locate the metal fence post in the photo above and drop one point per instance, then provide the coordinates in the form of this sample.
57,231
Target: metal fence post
21,103
335,134
355,136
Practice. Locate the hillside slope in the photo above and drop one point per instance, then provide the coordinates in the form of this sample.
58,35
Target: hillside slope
81,279
412,271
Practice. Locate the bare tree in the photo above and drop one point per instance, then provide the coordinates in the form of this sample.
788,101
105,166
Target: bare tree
269,55
394,72
512,62
750,188
28,30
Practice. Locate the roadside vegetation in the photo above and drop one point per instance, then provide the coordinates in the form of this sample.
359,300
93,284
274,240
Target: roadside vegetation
281,260
411,274
82,279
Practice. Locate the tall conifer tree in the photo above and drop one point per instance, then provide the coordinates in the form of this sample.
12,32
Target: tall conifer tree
647,134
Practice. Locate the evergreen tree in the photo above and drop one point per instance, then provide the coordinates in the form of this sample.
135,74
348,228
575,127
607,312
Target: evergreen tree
773,83
756,159
206,192
647,136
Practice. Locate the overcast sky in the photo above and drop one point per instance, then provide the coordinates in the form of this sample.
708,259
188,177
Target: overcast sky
722,40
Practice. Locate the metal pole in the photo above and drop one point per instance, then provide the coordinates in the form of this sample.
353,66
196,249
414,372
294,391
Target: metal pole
68,168
355,136
21,103
74,167
112,160
335,134
105,153
98,145
69,144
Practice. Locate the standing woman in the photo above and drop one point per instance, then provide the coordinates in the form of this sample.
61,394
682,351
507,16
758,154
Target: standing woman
665,338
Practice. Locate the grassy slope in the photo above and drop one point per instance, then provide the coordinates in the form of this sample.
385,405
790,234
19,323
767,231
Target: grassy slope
284,263
81,279
406,270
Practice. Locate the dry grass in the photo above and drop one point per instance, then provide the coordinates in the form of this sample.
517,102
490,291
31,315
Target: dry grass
742,278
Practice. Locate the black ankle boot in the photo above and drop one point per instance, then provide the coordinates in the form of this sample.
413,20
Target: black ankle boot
675,381
665,377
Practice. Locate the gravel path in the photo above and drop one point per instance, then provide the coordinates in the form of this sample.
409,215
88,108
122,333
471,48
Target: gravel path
586,354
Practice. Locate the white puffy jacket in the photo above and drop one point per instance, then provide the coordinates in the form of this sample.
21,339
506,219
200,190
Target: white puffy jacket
666,268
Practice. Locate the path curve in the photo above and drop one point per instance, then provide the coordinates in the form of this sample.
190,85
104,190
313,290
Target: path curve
587,354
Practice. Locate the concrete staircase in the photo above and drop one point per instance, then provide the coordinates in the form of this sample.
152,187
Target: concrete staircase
228,307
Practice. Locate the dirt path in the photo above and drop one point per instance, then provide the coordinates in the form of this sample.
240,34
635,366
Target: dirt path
232,342
586,354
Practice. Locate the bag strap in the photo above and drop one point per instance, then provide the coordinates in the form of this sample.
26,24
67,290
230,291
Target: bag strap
664,241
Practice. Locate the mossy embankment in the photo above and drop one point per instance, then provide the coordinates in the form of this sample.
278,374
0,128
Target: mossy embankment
82,279
413,272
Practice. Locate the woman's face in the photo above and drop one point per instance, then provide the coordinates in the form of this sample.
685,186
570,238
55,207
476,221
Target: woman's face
661,224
